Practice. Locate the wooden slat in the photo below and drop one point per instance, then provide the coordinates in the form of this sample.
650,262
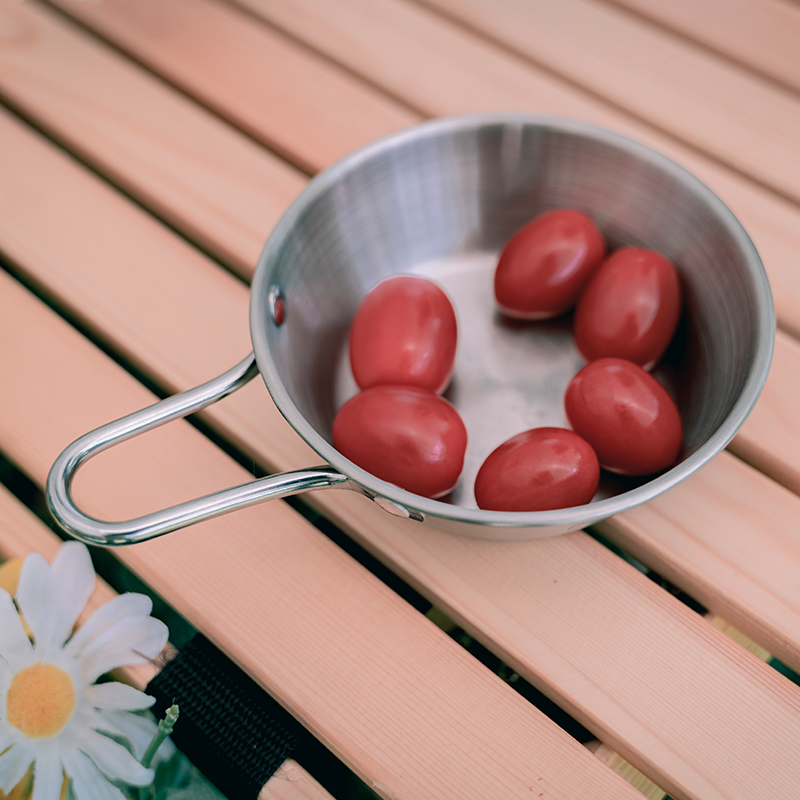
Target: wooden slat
200,174
76,108
387,691
760,34
770,439
441,69
729,113
730,537
648,789
21,533
587,628
446,71
292,782
285,96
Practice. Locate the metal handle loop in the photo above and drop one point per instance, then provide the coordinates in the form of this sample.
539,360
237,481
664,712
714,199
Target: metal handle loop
97,532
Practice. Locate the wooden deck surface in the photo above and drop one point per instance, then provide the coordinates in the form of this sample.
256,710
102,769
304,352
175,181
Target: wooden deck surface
147,148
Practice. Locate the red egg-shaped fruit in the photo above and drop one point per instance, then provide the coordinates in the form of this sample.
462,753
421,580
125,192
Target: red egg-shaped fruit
629,308
404,332
546,264
626,415
404,435
538,470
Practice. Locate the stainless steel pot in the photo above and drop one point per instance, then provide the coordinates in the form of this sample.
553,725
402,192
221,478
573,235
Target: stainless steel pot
441,199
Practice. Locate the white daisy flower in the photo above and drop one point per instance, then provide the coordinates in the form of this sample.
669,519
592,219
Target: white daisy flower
52,713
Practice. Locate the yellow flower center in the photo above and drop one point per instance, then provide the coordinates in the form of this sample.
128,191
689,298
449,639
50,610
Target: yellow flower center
40,701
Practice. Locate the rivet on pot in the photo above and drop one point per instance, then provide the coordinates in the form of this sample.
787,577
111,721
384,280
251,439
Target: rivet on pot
277,304
397,510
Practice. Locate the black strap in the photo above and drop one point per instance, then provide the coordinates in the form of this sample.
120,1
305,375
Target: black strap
227,725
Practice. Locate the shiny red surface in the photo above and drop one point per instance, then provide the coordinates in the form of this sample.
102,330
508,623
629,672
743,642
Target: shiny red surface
539,469
629,308
404,332
626,415
405,435
546,264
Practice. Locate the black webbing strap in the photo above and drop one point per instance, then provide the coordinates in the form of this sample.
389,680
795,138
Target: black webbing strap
226,726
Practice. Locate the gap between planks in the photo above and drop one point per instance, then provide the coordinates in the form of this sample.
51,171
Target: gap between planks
717,107
22,533
760,34
690,541
416,55
350,659
567,558
215,184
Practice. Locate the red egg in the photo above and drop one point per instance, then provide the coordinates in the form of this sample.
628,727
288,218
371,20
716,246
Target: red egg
404,332
629,308
537,470
405,435
626,415
546,264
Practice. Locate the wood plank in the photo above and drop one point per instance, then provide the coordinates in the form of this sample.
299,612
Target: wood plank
727,112
288,98
614,649
445,71
441,69
728,536
346,655
614,760
214,183
22,532
760,34
773,426
292,782
769,439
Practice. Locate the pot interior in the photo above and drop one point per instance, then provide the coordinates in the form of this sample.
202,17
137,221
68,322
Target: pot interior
442,200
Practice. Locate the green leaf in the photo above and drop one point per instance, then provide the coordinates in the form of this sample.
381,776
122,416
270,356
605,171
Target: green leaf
198,787
173,774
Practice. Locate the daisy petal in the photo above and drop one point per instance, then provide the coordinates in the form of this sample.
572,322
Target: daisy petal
14,764
38,600
113,760
15,648
124,605
75,579
7,738
100,721
138,730
134,640
117,696
89,783
48,777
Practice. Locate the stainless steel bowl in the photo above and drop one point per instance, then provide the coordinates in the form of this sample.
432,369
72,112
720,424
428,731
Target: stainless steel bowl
441,199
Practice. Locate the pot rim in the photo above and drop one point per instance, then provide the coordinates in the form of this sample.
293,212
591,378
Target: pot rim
577,516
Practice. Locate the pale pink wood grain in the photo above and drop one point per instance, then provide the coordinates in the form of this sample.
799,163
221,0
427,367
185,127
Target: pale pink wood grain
386,690
292,782
768,439
759,34
189,166
773,427
21,533
609,645
289,98
721,109
442,69
434,66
